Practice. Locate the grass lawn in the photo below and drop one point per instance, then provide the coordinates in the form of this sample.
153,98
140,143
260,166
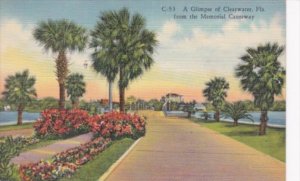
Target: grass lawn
15,127
273,143
96,167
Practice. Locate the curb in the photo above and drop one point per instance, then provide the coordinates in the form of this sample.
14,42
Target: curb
117,163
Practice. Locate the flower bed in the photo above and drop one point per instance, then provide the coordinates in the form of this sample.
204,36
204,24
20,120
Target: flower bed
61,123
107,127
65,163
115,125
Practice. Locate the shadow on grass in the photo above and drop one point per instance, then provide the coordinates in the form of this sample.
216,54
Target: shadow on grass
203,121
243,133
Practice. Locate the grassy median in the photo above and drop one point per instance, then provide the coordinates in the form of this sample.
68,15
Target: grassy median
98,166
273,143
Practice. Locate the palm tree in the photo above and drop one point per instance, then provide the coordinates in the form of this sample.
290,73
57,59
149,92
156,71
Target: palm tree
262,75
19,91
61,36
236,111
75,88
103,58
215,92
123,46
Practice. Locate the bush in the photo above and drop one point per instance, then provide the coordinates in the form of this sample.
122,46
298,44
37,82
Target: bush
8,149
56,123
63,164
116,125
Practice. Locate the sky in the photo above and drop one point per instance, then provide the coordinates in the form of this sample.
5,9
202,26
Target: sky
190,51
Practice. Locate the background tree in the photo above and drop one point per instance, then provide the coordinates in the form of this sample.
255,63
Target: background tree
75,88
236,111
131,100
19,91
262,75
140,104
125,45
61,36
155,104
216,92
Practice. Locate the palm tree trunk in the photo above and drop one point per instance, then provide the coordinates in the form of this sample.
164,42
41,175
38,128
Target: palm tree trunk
75,104
235,122
122,99
110,95
121,91
189,114
217,115
20,115
61,73
263,122
61,101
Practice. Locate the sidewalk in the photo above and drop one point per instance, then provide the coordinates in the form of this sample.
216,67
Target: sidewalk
46,152
177,149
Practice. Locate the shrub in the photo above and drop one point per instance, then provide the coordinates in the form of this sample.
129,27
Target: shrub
116,125
63,164
8,149
55,123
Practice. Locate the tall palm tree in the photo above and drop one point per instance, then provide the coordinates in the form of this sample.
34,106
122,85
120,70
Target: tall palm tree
103,58
236,111
262,75
216,92
19,91
125,44
75,88
61,36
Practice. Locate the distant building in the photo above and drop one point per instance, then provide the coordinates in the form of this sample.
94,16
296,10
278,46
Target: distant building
105,102
7,108
199,107
173,97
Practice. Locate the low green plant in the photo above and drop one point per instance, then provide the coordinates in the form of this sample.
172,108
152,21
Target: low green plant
8,149
236,111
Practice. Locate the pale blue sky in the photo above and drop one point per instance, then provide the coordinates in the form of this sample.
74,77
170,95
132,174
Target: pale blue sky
190,52
86,12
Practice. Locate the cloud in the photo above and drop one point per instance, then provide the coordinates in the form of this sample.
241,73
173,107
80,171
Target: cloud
219,51
169,29
19,50
18,36
15,35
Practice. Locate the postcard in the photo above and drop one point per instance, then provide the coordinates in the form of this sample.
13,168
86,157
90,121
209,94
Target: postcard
143,90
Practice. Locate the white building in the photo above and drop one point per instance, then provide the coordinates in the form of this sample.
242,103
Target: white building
173,97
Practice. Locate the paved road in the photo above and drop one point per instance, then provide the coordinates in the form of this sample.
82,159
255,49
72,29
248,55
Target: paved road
177,149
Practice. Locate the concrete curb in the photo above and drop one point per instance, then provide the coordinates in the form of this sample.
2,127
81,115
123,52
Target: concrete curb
117,163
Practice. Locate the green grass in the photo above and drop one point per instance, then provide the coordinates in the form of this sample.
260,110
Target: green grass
16,127
96,167
273,143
